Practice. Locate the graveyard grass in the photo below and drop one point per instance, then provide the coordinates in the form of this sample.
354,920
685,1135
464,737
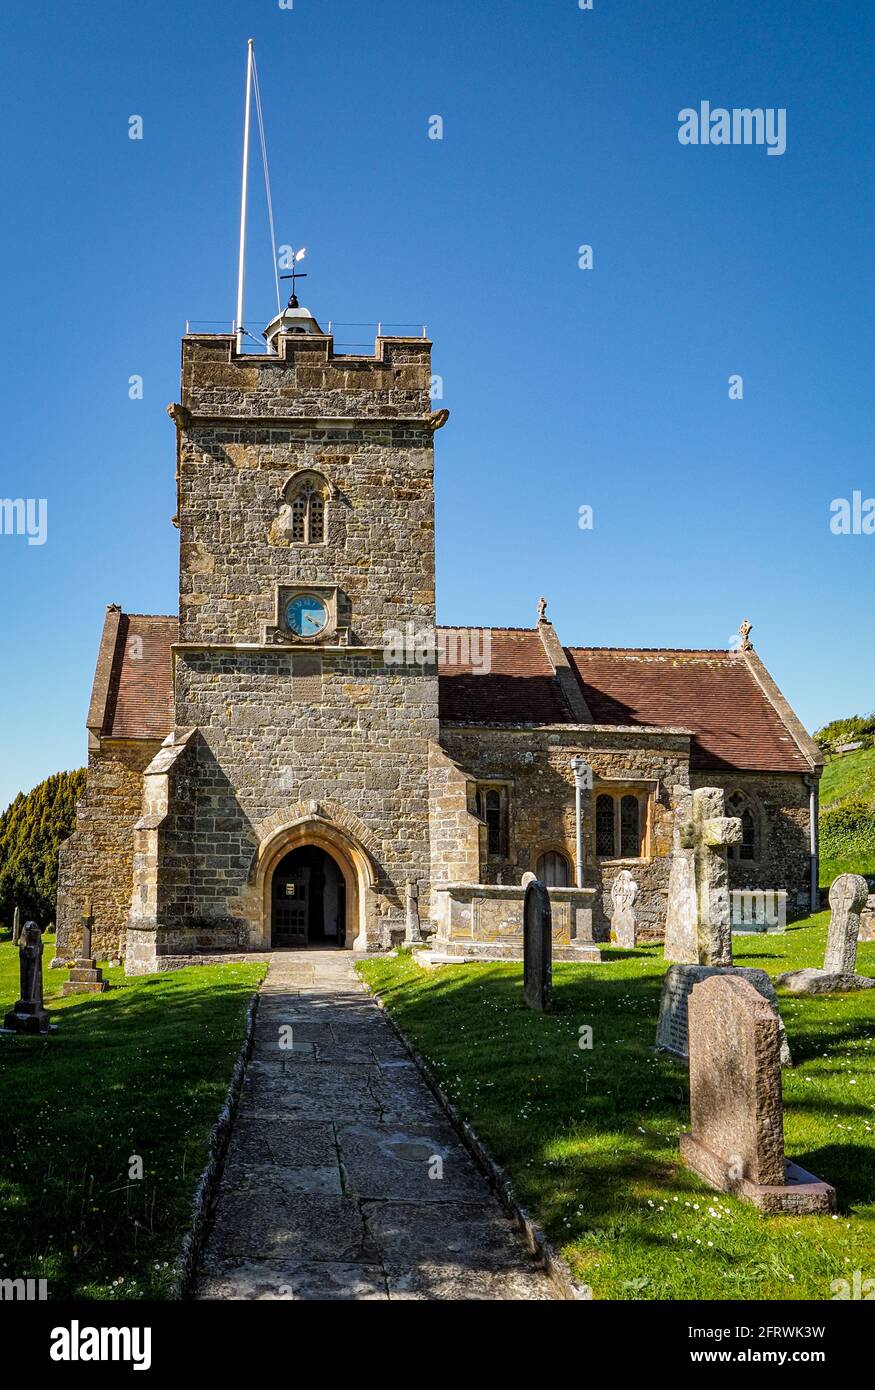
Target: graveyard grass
141,1069
589,1138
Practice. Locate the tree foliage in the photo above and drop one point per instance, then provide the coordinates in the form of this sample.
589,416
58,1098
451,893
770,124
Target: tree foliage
31,830
857,727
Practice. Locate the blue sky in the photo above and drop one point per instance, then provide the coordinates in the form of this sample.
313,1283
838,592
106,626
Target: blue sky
606,388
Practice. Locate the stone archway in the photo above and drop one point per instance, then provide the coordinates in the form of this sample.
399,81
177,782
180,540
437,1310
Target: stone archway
351,858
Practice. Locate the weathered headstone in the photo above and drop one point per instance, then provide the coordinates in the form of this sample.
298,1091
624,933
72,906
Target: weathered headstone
698,928
16,926
673,1029
736,1108
29,1014
847,898
537,945
412,926
624,891
867,920
86,977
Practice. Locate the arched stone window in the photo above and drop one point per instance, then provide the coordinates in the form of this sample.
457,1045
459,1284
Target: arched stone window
491,806
554,869
303,513
739,804
308,514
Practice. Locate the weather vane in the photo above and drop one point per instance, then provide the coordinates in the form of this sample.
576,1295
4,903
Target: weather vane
295,275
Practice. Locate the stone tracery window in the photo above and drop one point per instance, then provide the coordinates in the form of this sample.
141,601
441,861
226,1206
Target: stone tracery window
308,514
739,804
491,807
619,825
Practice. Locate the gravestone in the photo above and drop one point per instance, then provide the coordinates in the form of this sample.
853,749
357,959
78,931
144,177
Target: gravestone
847,898
867,920
624,891
85,976
673,1029
412,926
16,926
537,945
736,1142
29,1014
698,928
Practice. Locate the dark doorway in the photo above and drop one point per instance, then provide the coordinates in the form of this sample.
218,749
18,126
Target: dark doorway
308,900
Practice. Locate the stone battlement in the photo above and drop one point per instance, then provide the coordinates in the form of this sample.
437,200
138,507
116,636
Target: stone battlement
305,378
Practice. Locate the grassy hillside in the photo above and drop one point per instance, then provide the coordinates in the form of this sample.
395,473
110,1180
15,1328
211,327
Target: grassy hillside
847,815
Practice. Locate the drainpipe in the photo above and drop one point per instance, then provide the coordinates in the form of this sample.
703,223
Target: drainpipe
582,782
813,839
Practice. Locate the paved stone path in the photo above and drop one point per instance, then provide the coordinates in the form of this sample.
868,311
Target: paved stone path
326,1193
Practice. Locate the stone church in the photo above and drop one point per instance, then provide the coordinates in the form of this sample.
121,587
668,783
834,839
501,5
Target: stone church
301,757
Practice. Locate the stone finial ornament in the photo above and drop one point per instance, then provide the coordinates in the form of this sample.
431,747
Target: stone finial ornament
542,610
744,632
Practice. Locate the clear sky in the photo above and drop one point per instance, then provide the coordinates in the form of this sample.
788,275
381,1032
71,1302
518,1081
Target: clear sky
605,387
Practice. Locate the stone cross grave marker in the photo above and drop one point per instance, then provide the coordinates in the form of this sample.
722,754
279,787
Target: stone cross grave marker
29,1015
537,945
698,929
847,899
736,1142
624,891
85,977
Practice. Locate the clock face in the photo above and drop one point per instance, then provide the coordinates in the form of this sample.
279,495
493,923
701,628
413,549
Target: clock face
306,615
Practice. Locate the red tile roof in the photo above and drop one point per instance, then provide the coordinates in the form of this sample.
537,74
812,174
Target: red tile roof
711,693
520,686
139,702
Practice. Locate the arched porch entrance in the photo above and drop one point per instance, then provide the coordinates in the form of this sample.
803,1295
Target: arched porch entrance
330,875
308,900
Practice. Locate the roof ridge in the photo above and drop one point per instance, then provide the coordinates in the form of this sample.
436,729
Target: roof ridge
481,627
680,651
169,617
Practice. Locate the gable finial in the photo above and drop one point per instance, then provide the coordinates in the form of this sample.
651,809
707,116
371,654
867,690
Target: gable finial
744,632
542,610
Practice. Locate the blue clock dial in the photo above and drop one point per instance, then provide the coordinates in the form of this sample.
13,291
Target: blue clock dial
306,615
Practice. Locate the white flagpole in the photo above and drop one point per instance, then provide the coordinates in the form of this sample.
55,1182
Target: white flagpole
241,266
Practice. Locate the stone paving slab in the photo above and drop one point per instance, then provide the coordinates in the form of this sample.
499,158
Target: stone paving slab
295,1279
343,1178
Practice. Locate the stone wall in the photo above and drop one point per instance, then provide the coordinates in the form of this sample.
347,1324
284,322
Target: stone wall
233,473
780,802
485,922
97,859
457,836
535,763
283,722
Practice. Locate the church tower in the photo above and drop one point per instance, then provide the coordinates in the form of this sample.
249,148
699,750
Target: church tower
290,804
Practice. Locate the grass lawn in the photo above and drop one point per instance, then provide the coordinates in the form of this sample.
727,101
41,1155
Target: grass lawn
142,1069
590,1138
851,776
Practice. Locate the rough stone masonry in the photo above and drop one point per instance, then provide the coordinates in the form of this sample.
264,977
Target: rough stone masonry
272,740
